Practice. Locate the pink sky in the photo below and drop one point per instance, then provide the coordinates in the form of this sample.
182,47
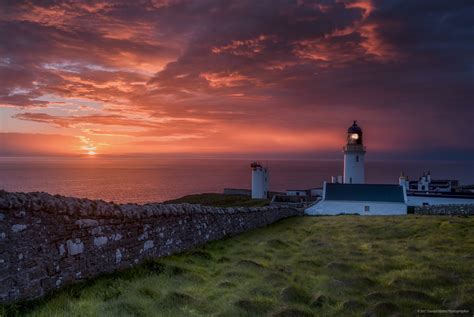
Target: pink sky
224,77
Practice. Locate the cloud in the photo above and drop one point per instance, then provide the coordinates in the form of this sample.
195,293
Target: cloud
106,120
221,75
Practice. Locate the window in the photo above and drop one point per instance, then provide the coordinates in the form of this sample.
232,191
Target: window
357,158
366,208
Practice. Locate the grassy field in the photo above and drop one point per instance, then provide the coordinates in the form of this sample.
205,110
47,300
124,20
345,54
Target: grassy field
220,200
304,266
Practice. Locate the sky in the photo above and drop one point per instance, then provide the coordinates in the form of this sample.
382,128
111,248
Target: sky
237,78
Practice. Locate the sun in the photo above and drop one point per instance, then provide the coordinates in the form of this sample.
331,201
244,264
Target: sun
91,153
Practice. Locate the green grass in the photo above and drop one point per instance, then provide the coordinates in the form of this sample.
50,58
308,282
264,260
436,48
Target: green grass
303,266
220,200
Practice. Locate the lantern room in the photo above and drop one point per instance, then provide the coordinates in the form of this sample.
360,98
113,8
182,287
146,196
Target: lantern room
354,134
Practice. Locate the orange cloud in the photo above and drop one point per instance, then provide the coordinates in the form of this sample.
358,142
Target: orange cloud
246,48
220,80
341,46
192,76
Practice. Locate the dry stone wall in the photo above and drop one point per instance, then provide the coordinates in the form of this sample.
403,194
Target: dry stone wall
48,241
452,210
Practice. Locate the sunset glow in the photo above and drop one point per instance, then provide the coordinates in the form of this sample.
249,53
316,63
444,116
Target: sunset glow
172,76
141,139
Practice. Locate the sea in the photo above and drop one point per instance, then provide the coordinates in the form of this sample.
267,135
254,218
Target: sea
142,180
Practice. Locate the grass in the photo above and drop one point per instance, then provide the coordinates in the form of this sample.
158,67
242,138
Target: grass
303,266
220,200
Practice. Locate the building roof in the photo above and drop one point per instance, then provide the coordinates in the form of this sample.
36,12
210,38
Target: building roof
354,128
365,192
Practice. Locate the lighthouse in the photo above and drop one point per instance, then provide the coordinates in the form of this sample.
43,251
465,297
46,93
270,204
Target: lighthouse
354,152
259,181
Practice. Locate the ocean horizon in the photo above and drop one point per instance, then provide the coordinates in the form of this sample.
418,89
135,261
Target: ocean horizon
148,179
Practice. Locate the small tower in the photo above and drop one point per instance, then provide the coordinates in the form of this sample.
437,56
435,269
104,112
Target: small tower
403,181
354,153
259,181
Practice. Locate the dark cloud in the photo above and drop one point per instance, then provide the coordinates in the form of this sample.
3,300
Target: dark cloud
403,67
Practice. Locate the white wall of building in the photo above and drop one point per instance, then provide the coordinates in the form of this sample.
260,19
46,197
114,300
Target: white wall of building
420,200
292,192
330,207
354,168
259,183
424,183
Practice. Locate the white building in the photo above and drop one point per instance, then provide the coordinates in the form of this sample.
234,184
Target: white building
259,181
354,156
423,199
403,181
297,192
427,191
353,196
426,184
309,193
362,199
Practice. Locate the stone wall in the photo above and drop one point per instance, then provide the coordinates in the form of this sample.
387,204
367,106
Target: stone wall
453,210
47,241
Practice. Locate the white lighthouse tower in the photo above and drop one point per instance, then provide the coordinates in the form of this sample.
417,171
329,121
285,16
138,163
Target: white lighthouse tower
354,153
259,181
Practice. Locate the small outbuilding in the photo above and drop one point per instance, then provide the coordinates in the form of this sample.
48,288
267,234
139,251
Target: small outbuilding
362,199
